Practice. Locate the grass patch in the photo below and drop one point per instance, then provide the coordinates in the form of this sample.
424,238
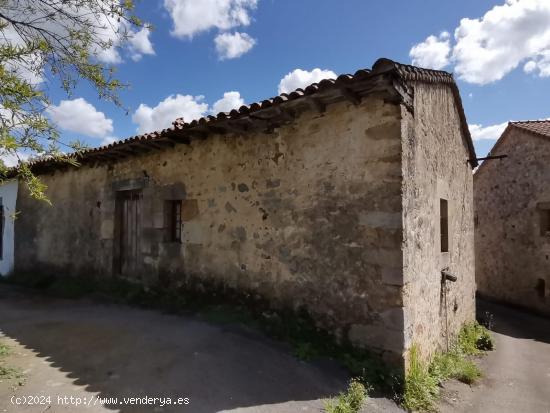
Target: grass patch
12,375
223,305
6,372
4,350
423,381
454,365
349,402
421,386
9,373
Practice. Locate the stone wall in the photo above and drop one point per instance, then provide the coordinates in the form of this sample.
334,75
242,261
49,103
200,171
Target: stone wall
308,216
511,195
434,167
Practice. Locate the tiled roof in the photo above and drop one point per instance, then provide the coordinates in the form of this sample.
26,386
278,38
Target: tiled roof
540,127
273,112
413,73
537,127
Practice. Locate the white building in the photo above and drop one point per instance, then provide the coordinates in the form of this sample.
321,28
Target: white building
8,198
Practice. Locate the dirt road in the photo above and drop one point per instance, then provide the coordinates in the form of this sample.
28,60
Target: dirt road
90,351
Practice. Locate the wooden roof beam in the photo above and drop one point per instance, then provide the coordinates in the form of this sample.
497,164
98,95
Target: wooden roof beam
179,138
201,134
351,96
236,127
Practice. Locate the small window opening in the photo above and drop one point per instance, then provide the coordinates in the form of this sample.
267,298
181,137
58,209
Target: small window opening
541,288
444,224
545,222
174,220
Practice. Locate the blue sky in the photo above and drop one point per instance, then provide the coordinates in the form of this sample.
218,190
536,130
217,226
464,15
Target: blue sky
341,36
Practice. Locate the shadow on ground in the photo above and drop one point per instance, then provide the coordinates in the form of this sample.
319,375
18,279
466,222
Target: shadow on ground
514,322
118,351
516,375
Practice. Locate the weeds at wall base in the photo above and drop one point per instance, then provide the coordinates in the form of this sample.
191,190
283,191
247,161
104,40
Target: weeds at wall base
350,401
423,380
7,372
223,305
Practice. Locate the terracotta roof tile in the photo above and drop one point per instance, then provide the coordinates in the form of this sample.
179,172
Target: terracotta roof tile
540,127
342,82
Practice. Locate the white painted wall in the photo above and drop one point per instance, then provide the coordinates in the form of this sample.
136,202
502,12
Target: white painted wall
8,193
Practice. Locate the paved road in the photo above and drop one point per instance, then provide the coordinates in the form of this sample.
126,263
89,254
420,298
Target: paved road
517,373
85,349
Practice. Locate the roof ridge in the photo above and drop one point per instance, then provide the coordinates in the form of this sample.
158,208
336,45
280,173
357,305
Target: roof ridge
385,61
518,122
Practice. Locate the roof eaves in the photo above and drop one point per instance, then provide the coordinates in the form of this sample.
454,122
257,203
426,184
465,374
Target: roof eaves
180,130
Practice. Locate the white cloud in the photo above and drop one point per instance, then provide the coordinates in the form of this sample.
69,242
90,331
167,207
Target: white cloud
110,56
140,44
230,101
107,140
490,47
492,132
541,64
47,17
233,45
487,48
530,66
187,107
81,117
161,116
123,37
191,16
30,69
299,78
12,159
432,53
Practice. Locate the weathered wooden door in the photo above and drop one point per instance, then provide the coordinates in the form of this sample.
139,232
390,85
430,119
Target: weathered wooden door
128,233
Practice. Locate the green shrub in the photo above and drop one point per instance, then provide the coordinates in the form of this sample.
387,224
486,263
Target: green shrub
349,402
473,339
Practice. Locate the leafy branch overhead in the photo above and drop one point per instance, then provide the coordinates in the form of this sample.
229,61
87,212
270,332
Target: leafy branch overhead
45,43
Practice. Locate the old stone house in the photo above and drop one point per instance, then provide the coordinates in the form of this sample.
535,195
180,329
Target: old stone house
347,198
512,204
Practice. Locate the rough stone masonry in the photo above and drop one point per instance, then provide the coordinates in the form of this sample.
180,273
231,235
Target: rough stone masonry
512,200
326,199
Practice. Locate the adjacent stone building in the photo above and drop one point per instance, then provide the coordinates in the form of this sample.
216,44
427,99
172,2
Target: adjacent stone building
512,201
347,198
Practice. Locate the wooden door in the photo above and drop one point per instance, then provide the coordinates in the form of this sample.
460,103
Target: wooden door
129,233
